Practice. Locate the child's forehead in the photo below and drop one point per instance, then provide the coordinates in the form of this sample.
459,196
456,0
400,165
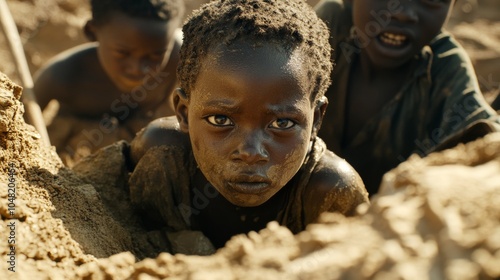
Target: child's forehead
246,52
251,63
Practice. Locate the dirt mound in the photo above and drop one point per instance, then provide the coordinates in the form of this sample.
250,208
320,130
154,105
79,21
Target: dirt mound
437,217
42,202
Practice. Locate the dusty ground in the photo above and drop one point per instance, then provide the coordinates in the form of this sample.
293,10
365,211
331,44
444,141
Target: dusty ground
435,218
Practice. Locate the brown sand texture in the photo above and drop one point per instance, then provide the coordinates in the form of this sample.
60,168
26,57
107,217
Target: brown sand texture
435,218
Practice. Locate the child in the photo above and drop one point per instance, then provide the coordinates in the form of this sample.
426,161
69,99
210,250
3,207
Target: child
111,88
401,84
243,150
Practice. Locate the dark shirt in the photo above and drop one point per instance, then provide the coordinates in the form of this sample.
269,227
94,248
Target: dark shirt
439,103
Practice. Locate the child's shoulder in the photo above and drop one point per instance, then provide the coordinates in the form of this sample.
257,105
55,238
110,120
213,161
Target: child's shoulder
69,63
448,53
65,72
162,131
450,67
335,186
335,173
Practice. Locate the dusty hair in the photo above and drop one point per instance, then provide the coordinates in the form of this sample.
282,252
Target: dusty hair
291,24
164,10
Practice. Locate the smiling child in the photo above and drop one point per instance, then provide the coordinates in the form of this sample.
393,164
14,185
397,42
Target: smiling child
242,150
112,87
402,84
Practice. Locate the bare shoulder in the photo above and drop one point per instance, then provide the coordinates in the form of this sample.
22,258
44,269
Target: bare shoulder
162,131
62,74
334,186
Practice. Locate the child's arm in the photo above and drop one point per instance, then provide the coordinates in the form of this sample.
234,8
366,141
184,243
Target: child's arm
334,186
48,85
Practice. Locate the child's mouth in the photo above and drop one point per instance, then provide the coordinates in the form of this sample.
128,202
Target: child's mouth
393,40
394,45
250,187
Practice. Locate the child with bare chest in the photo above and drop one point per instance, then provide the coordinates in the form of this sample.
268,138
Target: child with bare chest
110,88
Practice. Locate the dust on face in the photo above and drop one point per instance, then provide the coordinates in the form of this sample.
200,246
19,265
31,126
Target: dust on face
250,119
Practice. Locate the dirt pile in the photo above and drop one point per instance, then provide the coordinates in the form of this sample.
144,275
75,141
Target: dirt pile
51,221
437,217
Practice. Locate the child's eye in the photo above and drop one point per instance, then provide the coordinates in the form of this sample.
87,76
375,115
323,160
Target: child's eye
219,120
282,124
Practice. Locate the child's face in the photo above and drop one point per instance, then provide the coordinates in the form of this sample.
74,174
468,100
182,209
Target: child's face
393,31
250,120
133,49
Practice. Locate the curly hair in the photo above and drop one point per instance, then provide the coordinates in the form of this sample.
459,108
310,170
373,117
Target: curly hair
291,24
163,10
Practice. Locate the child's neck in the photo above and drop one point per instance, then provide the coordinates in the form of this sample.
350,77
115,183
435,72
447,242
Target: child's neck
371,73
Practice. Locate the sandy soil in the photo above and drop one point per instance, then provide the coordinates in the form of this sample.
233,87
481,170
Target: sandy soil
435,218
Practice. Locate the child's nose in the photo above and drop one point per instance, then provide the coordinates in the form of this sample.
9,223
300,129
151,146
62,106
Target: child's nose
251,148
407,12
137,67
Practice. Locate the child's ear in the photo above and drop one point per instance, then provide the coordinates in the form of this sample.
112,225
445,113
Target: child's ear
319,113
89,31
181,105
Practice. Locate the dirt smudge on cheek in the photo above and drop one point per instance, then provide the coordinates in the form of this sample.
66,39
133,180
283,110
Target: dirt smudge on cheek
209,161
284,171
